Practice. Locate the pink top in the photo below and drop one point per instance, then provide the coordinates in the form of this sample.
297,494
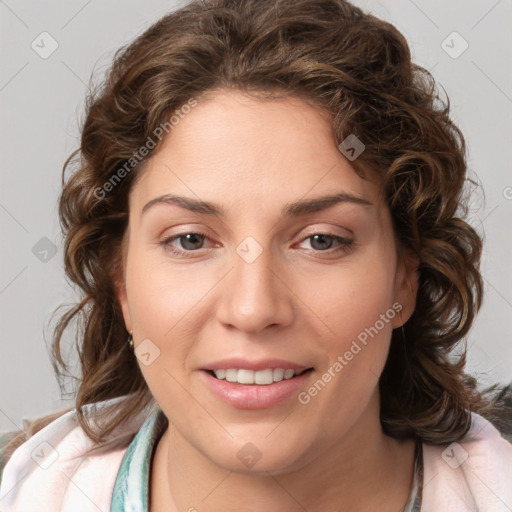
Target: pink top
51,472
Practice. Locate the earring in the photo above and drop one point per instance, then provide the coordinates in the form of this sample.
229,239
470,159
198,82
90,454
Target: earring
130,339
402,328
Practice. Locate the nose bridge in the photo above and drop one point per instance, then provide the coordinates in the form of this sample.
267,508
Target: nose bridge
254,296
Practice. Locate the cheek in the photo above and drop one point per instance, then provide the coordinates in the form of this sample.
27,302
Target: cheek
352,297
161,297
355,303
359,315
169,306
163,307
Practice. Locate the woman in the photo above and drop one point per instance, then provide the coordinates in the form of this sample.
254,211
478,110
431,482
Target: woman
264,222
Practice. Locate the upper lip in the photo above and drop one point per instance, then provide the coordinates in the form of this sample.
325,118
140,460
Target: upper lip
262,364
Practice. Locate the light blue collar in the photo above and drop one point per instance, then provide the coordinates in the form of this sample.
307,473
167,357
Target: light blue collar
131,488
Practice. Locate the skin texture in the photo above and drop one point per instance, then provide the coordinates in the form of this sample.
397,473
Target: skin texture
298,300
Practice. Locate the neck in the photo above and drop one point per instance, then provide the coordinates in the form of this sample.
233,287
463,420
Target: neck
340,477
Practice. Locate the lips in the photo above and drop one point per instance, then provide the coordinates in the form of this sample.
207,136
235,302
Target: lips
260,384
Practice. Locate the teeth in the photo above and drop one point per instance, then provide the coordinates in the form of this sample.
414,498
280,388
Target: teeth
231,375
261,377
278,374
220,374
288,374
245,377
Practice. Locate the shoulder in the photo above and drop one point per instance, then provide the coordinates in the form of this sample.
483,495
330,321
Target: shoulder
474,474
61,468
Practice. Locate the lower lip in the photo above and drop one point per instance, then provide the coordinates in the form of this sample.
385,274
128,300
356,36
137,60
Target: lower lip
255,396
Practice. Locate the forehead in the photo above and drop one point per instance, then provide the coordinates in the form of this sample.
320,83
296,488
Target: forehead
240,147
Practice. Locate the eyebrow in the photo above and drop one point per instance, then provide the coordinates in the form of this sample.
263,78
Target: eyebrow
294,209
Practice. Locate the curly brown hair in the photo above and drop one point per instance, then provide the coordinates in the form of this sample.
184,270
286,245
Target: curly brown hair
358,69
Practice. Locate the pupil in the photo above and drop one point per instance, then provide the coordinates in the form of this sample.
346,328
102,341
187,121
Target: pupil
321,238
189,242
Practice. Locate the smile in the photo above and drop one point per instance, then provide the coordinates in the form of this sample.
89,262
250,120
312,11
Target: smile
255,389
260,377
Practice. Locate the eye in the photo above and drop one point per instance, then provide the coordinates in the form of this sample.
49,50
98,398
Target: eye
189,242
193,242
322,242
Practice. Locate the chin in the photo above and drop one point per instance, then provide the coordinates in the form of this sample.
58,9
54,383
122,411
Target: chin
260,456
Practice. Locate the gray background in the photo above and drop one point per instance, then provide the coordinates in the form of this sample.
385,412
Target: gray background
41,103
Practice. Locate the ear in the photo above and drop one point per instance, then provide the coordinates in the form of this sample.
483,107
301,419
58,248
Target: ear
406,285
120,285
123,302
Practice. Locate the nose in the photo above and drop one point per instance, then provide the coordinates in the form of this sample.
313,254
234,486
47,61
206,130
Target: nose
255,295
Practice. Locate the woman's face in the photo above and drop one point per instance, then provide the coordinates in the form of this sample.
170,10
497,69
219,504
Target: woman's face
280,277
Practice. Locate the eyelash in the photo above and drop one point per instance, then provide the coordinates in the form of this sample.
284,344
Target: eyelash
345,243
